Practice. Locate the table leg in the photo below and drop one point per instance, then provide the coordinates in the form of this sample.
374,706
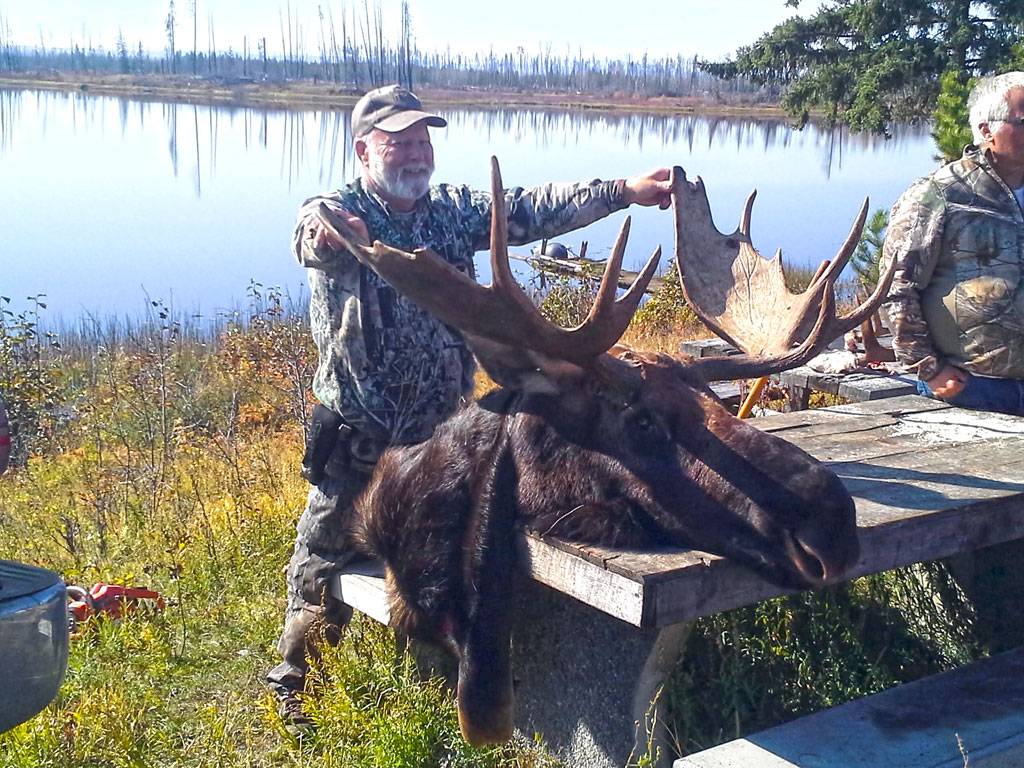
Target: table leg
588,683
797,399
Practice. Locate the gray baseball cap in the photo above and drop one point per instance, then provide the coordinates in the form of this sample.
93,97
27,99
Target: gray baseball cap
392,109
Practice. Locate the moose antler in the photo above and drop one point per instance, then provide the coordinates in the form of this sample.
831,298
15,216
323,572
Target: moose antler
743,297
502,312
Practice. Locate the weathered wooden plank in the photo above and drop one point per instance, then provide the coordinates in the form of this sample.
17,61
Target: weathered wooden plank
852,386
960,424
361,585
726,391
933,479
917,725
900,406
603,588
856,387
876,443
859,438
865,386
840,417
819,422
714,347
807,378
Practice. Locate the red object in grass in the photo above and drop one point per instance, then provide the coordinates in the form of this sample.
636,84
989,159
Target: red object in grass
109,600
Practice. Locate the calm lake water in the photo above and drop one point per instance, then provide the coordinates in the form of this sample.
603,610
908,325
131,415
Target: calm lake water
107,203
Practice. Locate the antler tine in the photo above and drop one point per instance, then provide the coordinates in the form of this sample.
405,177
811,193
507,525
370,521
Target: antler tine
748,207
827,277
605,303
609,317
819,271
610,279
842,257
858,315
627,305
501,272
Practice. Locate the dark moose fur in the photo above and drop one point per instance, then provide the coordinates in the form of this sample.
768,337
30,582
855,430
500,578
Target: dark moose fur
661,462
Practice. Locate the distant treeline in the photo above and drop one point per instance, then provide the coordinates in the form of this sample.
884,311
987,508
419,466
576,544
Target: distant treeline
353,50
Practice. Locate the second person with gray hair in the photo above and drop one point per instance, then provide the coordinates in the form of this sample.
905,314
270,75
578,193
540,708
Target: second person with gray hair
957,299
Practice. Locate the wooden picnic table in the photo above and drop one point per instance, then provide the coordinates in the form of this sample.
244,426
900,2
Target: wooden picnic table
929,481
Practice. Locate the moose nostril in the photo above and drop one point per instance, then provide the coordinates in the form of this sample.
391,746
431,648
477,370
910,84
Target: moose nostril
824,553
808,561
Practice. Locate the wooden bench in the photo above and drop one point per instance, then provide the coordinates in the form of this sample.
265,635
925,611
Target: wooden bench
800,382
855,387
929,481
973,715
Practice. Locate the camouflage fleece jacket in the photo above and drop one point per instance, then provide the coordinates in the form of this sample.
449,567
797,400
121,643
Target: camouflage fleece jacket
958,295
388,367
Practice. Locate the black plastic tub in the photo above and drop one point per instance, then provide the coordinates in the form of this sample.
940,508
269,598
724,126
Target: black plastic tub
33,640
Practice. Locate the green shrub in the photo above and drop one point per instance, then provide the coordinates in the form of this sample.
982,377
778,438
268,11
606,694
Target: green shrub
30,378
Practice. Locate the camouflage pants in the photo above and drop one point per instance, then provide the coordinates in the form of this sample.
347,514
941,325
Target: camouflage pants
312,615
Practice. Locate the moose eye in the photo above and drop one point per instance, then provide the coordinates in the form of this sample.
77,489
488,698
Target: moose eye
642,422
646,435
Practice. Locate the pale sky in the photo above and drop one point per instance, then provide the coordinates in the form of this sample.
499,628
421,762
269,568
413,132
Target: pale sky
606,28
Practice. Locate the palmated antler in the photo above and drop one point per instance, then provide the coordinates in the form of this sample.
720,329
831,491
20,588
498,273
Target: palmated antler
502,312
743,297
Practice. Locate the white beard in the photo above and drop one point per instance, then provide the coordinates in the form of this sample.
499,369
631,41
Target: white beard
407,183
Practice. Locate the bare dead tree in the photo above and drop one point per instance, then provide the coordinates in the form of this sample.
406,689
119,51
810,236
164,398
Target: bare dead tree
405,49
213,44
291,49
195,36
284,43
335,56
373,64
351,48
322,45
169,24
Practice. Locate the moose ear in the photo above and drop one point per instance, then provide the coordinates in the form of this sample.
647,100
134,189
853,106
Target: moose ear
523,369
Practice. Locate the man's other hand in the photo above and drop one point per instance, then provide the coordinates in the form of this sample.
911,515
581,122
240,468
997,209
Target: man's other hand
948,382
652,188
323,234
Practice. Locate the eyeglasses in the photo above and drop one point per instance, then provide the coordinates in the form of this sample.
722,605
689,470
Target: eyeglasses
1017,121
405,145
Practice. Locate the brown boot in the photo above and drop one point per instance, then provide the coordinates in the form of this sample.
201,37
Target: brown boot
294,718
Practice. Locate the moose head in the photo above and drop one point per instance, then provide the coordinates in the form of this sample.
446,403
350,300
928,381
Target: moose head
593,442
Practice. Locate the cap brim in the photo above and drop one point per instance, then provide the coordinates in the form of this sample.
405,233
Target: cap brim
403,120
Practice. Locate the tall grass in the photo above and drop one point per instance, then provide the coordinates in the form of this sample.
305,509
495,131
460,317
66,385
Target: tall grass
175,467
155,454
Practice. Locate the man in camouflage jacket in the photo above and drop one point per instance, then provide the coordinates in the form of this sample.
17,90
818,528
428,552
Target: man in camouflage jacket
387,368
957,299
